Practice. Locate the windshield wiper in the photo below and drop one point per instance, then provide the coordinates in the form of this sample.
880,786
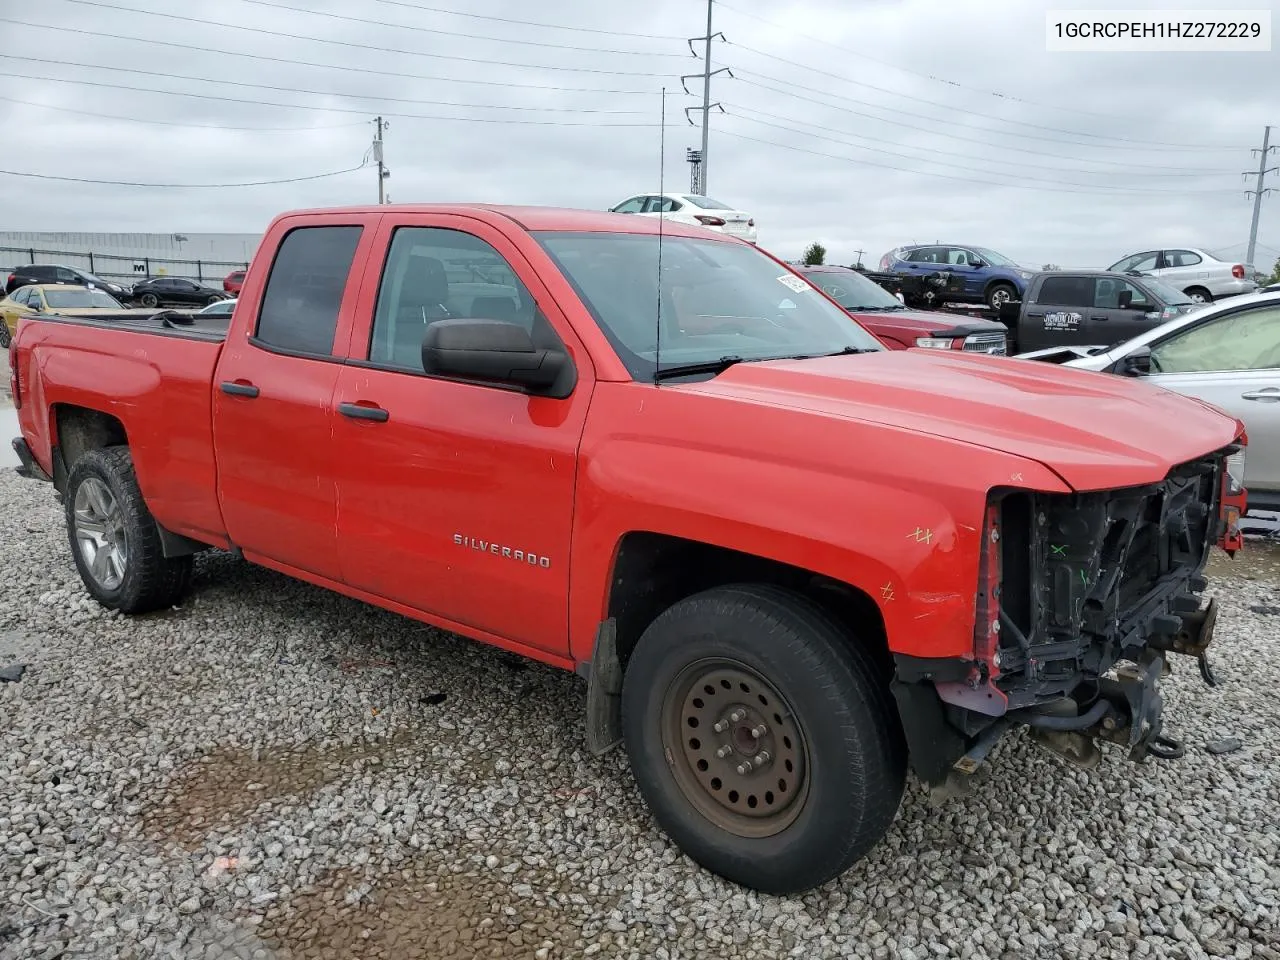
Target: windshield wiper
689,369
892,309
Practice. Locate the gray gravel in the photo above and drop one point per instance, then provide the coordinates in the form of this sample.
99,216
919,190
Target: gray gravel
270,772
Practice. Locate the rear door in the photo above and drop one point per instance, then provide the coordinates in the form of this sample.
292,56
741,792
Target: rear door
273,397
1232,360
1114,323
1062,315
456,499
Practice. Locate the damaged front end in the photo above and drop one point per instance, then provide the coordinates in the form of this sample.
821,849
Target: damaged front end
1081,598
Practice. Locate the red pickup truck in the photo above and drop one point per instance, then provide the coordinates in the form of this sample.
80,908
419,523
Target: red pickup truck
790,563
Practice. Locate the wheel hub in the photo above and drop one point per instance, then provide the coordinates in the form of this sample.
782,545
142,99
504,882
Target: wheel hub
739,755
99,530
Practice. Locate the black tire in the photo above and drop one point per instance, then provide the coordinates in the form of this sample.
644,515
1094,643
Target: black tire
999,293
1199,294
149,300
147,579
850,767
210,301
4,335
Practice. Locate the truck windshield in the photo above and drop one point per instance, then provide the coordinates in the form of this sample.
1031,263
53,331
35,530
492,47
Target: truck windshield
853,291
72,299
714,300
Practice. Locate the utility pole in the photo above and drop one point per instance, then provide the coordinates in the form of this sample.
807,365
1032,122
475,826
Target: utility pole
700,164
1257,193
383,172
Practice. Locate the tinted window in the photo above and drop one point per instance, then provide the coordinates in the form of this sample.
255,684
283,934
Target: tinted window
928,255
304,291
41,273
1248,340
1107,295
433,274
1181,258
1067,291
714,300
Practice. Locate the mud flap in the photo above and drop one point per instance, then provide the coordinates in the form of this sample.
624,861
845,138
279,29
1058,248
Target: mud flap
604,692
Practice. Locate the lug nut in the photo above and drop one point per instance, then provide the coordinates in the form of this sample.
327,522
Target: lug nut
760,731
720,726
761,758
724,751
736,716
744,767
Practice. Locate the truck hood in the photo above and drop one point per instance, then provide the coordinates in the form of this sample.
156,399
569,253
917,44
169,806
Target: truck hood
926,323
1094,430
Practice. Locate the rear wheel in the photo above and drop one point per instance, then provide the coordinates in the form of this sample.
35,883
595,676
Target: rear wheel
149,300
114,538
762,737
212,300
1198,295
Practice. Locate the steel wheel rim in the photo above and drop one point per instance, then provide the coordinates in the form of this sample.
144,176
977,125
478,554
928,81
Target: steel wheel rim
749,781
98,523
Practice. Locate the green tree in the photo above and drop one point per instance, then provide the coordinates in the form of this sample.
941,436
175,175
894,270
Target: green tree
815,255
1275,273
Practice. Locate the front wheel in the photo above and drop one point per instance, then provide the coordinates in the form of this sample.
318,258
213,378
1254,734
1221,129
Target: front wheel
212,300
114,538
763,737
149,300
1198,295
1001,293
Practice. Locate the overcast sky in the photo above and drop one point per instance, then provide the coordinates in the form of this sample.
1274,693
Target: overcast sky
894,121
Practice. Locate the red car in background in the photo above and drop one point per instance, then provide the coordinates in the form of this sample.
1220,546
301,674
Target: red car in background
898,327
233,281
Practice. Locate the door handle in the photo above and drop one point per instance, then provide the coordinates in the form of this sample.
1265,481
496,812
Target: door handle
361,411
238,388
1266,395
1099,318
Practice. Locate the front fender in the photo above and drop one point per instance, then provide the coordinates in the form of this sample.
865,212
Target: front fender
896,515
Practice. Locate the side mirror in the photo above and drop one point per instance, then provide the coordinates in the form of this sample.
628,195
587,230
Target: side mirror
1125,300
1136,364
976,262
495,351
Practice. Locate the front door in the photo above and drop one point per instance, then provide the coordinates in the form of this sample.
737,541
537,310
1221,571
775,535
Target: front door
1233,362
273,403
456,499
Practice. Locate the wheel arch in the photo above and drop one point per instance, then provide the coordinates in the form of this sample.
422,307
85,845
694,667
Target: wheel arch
74,431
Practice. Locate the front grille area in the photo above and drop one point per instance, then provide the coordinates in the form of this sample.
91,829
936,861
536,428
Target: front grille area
1088,579
995,343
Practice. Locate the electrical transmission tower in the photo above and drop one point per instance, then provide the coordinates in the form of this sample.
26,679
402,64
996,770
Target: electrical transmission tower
699,173
1257,193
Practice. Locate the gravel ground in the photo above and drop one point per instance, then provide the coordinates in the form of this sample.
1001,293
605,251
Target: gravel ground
273,771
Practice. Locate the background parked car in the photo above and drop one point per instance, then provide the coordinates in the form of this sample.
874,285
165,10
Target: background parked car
57,273
897,326
987,277
223,308
692,209
174,290
233,281
1197,273
56,298
1069,308
1227,354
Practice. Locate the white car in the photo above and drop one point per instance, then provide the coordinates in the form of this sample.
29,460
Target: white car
223,308
1227,354
692,209
1197,273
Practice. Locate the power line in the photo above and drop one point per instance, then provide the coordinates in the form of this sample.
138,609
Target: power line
933,120
952,109
449,33
179,186
744,113
940,176
915,73
262,31
531,23
302,106
317,93
322,66
178,123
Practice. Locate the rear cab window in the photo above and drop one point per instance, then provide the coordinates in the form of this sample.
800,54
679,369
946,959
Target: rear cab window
303,295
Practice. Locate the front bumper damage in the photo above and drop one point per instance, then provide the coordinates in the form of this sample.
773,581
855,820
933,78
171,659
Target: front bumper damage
1082,598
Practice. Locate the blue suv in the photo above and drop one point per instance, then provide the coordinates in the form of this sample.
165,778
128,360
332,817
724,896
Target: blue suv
987,276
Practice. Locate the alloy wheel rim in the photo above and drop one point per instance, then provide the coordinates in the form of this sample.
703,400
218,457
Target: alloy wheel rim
98,522
736,748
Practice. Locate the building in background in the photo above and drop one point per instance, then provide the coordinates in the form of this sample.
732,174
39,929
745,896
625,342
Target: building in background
133,256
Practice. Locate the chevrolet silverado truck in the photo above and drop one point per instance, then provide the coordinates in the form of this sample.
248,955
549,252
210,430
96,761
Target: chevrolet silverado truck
792,565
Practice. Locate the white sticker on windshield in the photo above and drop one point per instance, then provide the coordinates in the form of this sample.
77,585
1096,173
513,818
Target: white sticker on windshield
793,282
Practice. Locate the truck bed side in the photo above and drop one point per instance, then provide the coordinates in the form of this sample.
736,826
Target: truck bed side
145,381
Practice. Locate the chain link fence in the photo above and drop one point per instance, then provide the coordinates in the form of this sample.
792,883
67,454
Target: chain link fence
110,266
